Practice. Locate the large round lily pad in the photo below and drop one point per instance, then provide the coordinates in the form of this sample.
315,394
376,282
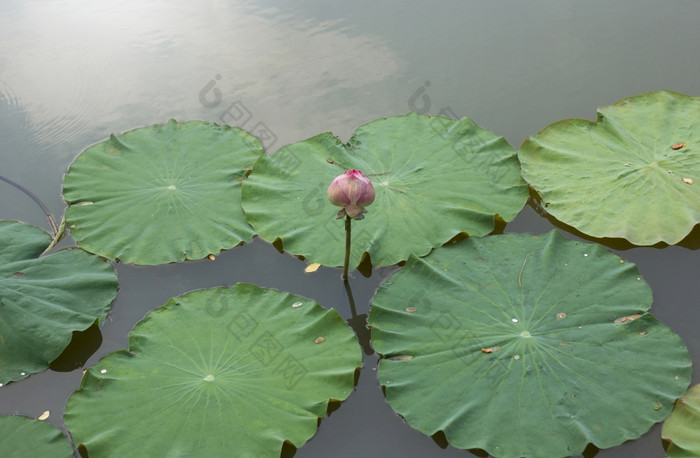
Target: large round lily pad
44,299
634,173
525,345
220,372
21,437
434,179
163,193
682,428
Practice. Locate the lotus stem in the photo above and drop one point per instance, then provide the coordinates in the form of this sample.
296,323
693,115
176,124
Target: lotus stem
348,226
38,201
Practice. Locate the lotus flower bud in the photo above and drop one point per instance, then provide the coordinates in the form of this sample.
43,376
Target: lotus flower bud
353,191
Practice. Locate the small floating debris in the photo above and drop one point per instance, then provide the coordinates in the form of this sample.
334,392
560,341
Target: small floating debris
411,309
319,339
296,305
678,146
561,315
311,268
211,257
44,415
490,349
401,357
687,180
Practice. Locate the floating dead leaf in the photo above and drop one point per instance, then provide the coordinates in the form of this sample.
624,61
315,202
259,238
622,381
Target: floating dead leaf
311,268
678,146
625,319
319,339
687,180
401,357
561,315
44,416
490,349
411,309
211,257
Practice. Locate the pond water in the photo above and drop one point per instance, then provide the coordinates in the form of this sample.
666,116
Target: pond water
72,72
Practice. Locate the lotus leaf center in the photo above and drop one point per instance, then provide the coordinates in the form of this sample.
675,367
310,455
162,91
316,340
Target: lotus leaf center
525,334
209,378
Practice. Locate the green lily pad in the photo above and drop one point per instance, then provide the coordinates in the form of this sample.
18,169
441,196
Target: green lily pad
634,173
163,193
525,345
682,428
219,372
434,179
44,299
21,437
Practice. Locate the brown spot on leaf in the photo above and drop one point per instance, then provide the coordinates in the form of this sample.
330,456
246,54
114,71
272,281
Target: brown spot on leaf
561,315
626,319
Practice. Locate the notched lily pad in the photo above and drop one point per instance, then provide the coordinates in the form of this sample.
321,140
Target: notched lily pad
682,428
434,178
631,174
217,372
517,347
21,437
44,299
161,194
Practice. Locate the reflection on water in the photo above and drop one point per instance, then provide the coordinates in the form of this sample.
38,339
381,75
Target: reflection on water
72,72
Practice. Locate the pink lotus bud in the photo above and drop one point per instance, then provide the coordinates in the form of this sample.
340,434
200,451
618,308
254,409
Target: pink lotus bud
353,191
